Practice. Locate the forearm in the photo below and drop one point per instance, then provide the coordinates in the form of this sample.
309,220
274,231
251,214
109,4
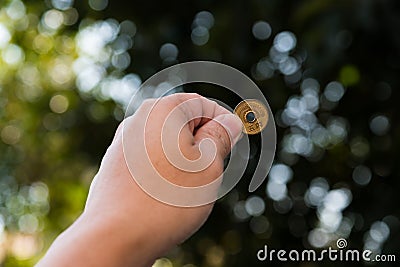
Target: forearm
97,242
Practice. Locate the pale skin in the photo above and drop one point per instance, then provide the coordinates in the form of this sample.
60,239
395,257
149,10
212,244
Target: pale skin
121,224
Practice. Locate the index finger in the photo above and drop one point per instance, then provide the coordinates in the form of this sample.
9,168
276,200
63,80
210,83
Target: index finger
199,110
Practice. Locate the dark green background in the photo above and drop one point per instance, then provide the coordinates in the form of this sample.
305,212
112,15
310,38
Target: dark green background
66,158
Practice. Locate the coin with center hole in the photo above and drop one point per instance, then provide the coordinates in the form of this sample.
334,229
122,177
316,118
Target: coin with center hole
254,115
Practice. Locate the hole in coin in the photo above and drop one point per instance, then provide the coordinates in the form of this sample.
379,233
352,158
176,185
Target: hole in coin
250,116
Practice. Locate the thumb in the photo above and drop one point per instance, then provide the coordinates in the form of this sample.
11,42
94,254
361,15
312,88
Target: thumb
225,130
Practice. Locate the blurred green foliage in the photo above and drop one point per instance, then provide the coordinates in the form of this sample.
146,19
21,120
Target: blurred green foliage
67,69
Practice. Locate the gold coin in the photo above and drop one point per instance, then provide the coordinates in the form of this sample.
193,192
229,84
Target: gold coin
254,115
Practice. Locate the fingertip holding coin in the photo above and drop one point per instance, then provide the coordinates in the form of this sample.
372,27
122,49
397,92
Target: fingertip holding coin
253,114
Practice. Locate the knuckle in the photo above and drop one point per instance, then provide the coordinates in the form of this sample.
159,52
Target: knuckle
146,105
148,102
193,95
